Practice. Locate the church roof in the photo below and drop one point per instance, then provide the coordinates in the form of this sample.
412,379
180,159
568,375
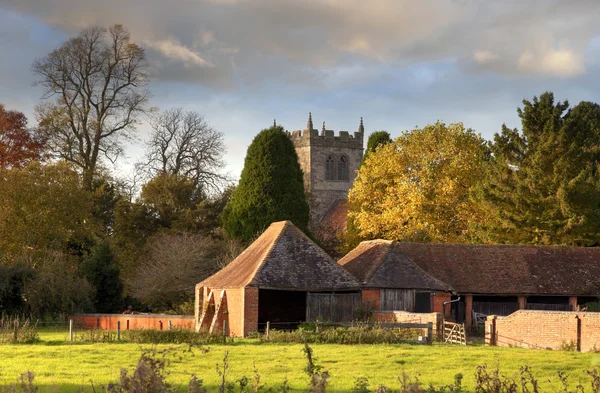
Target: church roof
383,264
283,257
336,217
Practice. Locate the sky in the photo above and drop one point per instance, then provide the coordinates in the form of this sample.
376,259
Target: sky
398,64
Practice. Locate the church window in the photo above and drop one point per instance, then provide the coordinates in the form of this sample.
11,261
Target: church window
343,168
330,168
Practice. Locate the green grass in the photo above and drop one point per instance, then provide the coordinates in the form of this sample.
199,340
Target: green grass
69,366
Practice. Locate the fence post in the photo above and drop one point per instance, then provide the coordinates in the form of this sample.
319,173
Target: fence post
70,330
578,333
429,333
225,331
268,328
316,326
170,325
16,329
119,330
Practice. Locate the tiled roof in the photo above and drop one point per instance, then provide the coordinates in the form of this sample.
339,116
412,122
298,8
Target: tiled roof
336,217
510,269
382,264
283,258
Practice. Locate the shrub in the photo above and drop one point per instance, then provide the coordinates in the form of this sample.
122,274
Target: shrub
173,336
360,334
16,331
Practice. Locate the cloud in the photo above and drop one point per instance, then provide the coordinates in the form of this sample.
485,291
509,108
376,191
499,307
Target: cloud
173,50
225,43
485,57
554,62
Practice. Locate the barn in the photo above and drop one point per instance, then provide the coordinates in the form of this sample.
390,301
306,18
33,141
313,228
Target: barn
391,281
283,278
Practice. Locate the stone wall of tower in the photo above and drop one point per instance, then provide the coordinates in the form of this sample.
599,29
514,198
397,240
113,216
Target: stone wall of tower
313,149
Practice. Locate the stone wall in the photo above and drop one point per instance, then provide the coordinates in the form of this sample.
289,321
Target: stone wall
436,318
313,150
545,330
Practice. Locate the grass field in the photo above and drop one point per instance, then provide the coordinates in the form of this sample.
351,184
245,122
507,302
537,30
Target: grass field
66,366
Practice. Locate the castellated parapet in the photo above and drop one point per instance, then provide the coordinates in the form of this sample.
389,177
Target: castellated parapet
329,163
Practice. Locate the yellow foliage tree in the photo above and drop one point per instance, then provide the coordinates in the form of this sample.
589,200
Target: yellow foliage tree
417,188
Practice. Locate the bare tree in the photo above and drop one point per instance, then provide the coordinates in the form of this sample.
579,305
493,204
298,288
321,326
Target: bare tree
173,264
182,143
98,81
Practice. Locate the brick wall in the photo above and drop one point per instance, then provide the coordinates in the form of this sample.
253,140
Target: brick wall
250,310
438,302
545,329
372,298
435,318
133,321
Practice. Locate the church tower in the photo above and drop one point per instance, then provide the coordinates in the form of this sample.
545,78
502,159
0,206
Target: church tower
329,163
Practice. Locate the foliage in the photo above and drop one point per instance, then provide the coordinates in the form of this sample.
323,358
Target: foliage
173,336
172,200
182,143
103,274
271,188
57,287
18,146
376,139
171,266
99,80
360,334
417,188
12,283
542,184
15,330
42,207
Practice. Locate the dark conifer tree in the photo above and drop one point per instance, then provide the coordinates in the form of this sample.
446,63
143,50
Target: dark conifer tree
271,188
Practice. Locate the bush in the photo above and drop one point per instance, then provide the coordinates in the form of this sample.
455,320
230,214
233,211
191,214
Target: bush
361,334
173,336
16,331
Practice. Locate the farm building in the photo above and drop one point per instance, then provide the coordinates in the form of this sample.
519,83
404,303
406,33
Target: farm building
501,279
283,278
391,281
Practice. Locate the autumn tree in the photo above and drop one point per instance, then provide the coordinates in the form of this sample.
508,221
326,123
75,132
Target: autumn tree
95,90
18,146
43,207
542,183
417,188
271,188
184,144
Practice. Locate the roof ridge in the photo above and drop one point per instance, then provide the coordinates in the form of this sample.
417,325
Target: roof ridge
286,223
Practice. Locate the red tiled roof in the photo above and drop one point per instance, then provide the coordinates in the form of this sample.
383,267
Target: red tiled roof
336,217
283,258
510,269
381,264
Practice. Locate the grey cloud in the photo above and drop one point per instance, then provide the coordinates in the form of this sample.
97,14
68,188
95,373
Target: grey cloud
250,41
